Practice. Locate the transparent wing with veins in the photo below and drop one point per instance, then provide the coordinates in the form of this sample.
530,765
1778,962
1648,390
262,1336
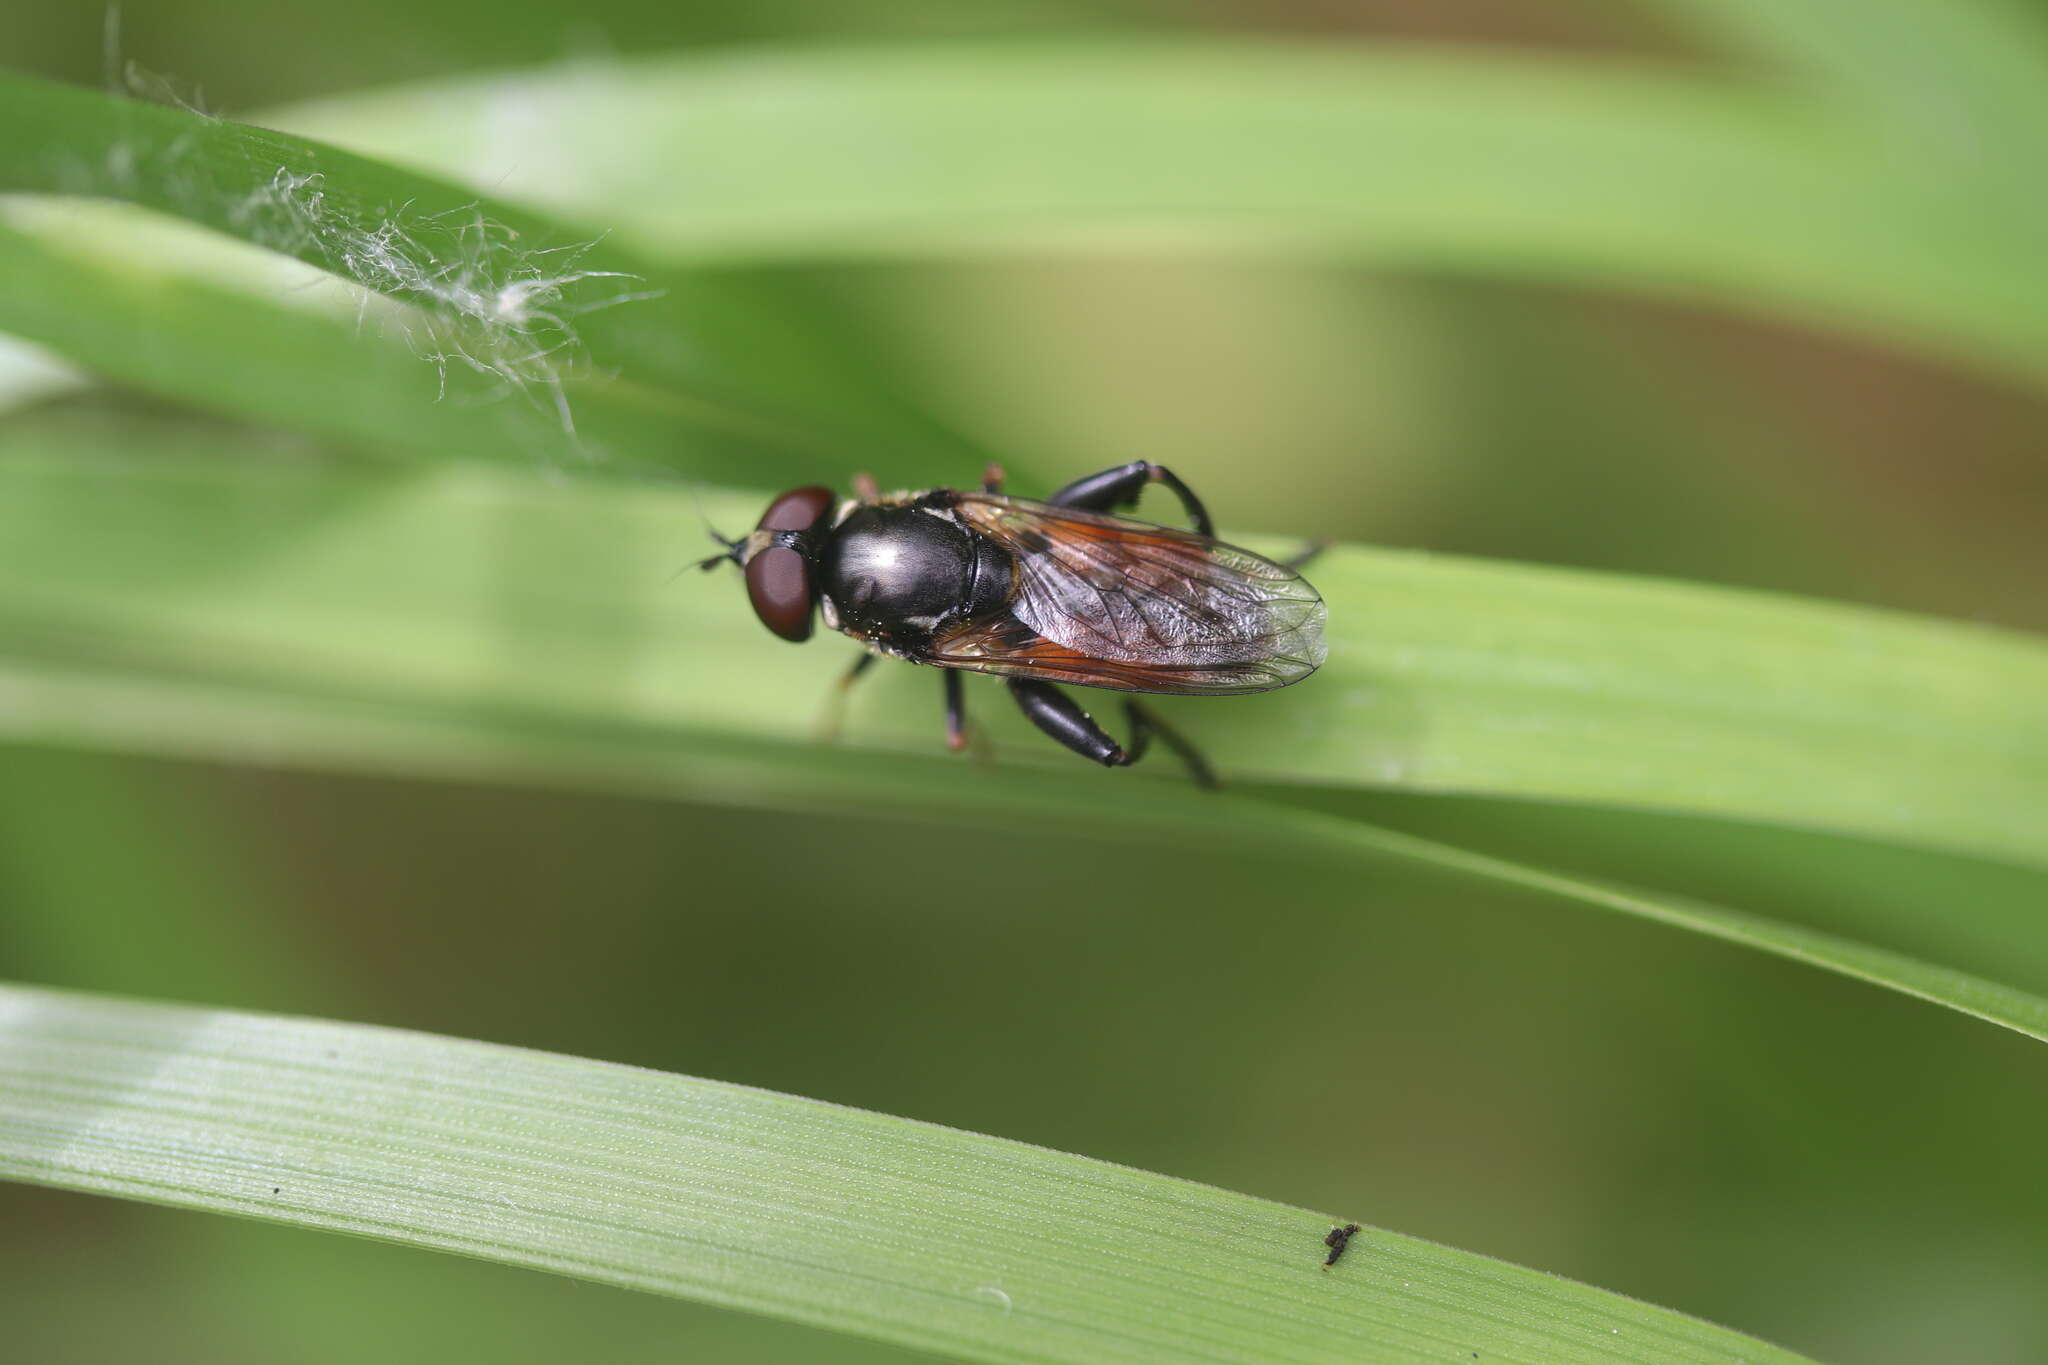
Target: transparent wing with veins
1102,601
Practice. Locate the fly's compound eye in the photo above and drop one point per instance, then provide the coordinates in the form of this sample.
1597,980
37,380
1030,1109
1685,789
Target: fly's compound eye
779,578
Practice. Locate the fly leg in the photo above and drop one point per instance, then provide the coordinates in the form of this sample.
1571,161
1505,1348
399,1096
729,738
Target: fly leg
1300,558
1060,716
956,712
1120,487
992,479
834,713
1145,723
959,734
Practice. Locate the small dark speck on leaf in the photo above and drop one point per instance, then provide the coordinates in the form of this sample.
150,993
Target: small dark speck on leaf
1336,1240
277,1189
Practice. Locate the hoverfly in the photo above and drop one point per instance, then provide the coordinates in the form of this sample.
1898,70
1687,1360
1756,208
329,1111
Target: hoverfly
1041,593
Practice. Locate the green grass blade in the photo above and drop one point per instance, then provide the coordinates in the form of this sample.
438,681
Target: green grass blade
185,340
1960,75
30,374
1640,692
883,1227
472,587
515,303
1889,895
187,717
188,340
1554,170
428,626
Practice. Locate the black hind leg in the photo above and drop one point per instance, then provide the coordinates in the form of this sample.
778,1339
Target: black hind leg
1120,487
834,713
956,712
1060,716
1300,558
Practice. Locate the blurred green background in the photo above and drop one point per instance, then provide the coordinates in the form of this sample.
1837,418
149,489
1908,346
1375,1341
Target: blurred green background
1842,1170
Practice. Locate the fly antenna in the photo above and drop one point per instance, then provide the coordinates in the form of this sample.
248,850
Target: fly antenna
734,551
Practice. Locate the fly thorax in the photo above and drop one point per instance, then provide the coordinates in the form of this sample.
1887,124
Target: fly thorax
897,572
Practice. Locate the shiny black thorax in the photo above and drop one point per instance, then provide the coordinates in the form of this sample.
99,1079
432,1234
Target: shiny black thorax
899,574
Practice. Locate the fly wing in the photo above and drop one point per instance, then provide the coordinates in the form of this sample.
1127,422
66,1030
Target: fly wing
1106,602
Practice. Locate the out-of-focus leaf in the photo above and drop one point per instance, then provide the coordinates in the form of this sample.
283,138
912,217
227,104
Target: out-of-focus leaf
1597,174
29,374
1966,78
177,912
498,302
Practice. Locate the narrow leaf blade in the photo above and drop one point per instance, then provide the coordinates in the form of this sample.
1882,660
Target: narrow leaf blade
480,589
539,305
935,1238
1546,169
359,646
